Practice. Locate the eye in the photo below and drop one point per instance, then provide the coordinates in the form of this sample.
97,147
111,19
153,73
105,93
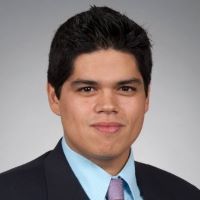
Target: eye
86,89
127,88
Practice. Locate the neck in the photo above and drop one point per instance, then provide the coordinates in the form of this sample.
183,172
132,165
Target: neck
111,165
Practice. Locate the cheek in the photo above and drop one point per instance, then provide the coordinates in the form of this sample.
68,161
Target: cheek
133,108
134,114
74,113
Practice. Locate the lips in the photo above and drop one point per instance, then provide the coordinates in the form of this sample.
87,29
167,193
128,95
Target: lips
108,127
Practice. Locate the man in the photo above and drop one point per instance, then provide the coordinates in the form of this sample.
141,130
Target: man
98,83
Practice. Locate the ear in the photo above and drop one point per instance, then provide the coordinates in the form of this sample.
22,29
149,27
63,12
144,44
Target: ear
147,100
53,99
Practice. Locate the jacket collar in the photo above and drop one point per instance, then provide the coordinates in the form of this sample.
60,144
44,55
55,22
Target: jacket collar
61,182
145,183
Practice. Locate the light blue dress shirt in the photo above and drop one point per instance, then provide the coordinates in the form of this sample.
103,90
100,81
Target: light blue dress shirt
95,181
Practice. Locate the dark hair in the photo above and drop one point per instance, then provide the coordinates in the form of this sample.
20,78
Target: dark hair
97,28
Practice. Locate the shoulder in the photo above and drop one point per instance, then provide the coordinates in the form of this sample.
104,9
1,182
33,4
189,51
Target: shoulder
25,180
165,182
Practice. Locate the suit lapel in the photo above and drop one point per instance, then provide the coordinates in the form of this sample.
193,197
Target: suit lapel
62,184
147,189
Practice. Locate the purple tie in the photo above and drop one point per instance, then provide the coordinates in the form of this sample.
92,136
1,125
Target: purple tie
115,189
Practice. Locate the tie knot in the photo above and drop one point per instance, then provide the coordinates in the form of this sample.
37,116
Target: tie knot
115,190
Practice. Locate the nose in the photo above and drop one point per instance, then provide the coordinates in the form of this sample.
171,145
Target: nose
106,103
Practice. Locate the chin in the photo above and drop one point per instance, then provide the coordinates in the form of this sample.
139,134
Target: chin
105,157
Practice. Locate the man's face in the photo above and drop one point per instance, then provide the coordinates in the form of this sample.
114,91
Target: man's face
102,105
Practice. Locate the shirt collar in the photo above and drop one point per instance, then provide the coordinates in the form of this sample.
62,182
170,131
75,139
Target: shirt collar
94,179
128,174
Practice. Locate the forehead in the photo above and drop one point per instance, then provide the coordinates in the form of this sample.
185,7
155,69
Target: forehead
105,65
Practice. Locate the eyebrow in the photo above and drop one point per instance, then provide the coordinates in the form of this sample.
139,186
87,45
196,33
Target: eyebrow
95,83
130,81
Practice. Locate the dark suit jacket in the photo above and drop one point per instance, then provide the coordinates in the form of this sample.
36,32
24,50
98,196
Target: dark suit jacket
49,177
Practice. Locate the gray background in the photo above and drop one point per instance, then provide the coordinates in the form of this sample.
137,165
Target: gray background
170,137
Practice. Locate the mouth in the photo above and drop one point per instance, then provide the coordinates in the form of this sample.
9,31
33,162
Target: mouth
107,127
